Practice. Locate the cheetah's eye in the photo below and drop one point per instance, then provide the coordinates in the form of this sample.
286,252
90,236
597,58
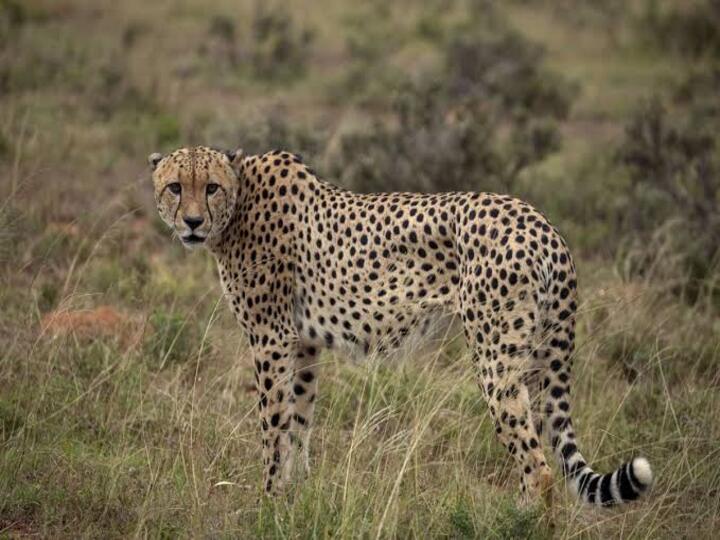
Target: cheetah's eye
175,188
212,188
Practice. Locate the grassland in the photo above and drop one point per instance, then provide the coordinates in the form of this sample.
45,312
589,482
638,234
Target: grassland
126,406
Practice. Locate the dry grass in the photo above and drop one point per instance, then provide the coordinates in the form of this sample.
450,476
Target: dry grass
150,430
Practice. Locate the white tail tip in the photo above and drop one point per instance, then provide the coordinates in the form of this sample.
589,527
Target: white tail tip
642,471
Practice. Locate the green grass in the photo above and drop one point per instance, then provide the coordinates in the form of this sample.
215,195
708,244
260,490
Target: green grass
96,439
154,432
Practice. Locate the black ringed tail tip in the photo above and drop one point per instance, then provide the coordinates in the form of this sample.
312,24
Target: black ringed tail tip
625,484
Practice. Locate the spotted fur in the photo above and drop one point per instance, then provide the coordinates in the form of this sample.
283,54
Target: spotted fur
306,265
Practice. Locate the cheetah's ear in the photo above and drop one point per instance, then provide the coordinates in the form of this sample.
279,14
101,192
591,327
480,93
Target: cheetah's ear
154,159
234,156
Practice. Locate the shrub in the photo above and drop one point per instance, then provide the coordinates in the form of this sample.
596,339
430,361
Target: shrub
698,93
372,38
460,518
276,48
166,130
15,13
5,146
173,339
132,33
587,200
676,165
691,30
223,27
606,15
221,43
112,91
489,112
510,521
674,169
265,130
280,47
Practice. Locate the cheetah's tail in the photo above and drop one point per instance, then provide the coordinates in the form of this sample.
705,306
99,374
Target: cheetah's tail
625,484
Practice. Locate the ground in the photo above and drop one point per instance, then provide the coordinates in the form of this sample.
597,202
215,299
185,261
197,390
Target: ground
125,385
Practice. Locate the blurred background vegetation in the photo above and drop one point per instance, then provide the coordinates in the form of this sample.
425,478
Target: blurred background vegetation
123,399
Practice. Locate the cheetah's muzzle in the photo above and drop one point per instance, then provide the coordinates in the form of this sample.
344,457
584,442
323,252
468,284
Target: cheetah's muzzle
192,239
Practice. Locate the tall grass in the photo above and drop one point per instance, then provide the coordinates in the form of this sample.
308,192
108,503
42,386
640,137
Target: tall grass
126,401
160,438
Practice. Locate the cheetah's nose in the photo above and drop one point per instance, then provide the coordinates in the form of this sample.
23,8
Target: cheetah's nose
193,222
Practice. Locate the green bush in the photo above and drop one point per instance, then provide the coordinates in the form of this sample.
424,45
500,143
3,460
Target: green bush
280,47
673,163
372,37
697,94
460,518
266,130
10,419
111,91
136,131
477,122
173,339
674,169
220,50
223,28
274,49
689,29
14,14
515,523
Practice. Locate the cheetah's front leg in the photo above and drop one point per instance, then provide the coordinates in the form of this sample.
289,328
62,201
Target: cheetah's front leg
304,393
274,364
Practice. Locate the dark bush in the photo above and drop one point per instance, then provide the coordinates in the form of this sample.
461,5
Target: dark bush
698,94
222,27
14,14
221,43
372,37
477,122
689,29
603,14
280,47
265,130
111,91
275,131
678,164
276,48
674,169
506,70
173,339
132,33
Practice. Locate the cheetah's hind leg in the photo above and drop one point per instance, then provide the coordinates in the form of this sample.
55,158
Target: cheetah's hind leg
500,340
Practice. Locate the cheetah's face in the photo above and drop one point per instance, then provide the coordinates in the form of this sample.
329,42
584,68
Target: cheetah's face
195,191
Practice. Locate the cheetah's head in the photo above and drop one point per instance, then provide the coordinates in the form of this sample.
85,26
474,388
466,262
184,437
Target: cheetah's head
195,190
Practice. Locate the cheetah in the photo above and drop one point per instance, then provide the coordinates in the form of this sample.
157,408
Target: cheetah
307,266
